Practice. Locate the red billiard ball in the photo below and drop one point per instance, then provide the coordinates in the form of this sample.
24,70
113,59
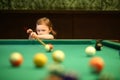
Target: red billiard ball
97,64
16,59
49,47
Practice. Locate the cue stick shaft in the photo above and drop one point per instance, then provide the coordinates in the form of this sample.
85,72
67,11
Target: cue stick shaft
39,40
29,31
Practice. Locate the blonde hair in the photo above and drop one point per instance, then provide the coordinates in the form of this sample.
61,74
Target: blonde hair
47,22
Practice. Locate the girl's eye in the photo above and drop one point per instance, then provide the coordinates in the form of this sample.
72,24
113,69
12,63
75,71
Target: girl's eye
43,30
38,30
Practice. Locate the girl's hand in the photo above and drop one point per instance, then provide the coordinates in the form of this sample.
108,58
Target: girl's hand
29,31
34,35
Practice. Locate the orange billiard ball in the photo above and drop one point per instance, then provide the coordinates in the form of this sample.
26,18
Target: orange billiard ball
97,64
16,59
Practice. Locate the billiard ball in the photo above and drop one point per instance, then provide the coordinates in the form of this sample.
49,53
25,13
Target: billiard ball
97,64
40,59
58,56
98,46
56,71
49,47
56,67
106,76
90,51
70,76
16,59
55,75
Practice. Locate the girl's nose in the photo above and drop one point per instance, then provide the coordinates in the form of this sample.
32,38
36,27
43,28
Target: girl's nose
41,33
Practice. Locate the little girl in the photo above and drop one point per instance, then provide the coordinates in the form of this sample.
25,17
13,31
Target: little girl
44,29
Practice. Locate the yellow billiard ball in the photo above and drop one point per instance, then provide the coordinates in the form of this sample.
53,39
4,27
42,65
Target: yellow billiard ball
40,59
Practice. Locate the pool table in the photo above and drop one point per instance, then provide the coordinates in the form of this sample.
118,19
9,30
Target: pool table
75,58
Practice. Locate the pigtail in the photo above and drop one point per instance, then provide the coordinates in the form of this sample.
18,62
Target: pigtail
52,31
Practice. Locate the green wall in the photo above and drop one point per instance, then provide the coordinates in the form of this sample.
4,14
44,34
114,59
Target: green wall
60,5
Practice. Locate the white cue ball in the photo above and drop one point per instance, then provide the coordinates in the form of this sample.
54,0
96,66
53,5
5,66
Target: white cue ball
58,56
90,51
47,47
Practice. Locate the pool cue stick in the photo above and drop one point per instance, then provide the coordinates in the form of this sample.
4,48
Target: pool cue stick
39,40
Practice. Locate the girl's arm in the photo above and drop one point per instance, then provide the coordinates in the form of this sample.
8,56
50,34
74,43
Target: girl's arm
46,36
32,35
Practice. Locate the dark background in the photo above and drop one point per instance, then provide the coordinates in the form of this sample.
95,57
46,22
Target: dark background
67,24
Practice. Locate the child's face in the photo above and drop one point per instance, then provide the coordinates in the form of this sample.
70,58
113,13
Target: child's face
42,29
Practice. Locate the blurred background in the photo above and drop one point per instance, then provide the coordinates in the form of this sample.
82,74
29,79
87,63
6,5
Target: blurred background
72,19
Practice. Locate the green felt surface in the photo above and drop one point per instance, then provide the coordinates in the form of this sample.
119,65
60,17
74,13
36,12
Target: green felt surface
75,59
